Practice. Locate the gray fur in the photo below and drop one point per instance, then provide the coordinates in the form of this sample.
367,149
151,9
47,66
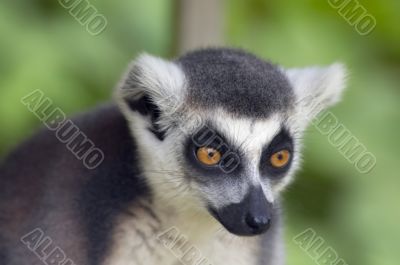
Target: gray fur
237,81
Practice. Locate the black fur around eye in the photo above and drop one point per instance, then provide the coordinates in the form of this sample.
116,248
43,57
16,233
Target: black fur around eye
229,158
278,155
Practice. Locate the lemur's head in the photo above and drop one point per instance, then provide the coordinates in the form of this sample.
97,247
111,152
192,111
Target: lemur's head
220,129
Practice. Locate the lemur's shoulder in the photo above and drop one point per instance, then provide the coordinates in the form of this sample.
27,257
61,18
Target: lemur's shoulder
43,157
43,184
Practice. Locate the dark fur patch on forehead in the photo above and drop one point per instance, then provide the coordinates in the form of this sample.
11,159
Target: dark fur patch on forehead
237,81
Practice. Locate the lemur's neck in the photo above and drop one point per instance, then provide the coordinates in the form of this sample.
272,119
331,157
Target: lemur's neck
172,204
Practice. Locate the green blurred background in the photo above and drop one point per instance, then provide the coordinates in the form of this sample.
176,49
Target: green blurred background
43,47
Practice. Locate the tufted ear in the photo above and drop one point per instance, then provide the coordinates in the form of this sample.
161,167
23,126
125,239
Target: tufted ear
316,88
152,87
153,77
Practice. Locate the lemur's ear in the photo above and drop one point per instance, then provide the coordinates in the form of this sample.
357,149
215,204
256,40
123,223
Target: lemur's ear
153,77
152,87
317,88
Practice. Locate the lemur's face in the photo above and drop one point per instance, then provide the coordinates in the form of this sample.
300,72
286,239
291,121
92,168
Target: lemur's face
225,126
238,166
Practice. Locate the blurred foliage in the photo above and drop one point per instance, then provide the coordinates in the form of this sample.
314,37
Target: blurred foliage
43,47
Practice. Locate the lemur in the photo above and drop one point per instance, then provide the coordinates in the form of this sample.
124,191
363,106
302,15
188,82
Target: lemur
197,151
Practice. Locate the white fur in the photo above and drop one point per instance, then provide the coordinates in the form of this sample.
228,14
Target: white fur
316,88
216,246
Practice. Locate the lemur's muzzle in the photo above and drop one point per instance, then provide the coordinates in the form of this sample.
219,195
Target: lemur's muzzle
252,216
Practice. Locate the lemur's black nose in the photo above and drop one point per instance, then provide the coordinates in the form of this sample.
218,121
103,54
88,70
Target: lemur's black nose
252,216
259,212
258,223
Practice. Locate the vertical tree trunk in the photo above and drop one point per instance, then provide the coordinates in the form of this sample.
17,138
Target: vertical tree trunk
200,23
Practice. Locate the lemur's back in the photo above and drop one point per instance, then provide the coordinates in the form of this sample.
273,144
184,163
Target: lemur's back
43,185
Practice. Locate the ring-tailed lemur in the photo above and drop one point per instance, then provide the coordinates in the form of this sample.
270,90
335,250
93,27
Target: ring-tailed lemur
197,152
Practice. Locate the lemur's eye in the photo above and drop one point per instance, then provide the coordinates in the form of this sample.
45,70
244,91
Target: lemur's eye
280,158
208,156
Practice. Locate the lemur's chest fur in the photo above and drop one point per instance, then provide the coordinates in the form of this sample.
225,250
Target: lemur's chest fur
148,234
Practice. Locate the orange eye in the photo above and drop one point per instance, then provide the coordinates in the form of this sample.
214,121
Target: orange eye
280,159
208,156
